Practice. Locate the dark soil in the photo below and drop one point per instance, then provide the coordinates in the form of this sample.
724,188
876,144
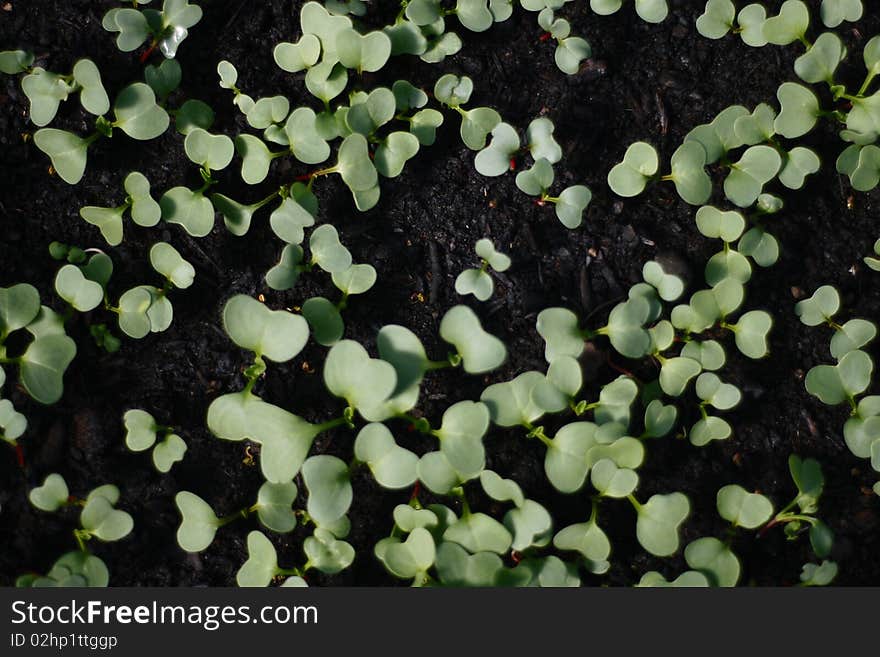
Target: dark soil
648,82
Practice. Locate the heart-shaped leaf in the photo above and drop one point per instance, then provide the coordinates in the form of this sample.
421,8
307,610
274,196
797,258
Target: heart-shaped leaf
351,374
392,466
743,509
480,351
714,560
326,553
183,206
51,495
72,286
262,562
67,151
168,452
819,308
640,164
800,109
330,493
137,113
278,335
658,522
42,366
102,521
140,430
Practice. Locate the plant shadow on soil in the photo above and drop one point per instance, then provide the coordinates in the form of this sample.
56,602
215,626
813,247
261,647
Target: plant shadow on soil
647,82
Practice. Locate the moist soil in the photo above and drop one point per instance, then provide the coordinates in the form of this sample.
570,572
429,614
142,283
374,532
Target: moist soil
646,82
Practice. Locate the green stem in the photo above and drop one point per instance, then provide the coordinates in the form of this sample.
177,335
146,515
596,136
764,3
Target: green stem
331,424
632,500
867,83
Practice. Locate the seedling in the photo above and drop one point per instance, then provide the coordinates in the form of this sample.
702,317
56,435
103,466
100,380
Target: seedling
145,211
142,433
165,29
650,11
478,281
75,568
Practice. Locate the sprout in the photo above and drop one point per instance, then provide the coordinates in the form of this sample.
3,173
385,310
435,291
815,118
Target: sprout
658,522
72,286
409,559
477,532
747,177
77,568
820,62
99,518
167,27
561,333
165,78
274,334
167,261
719,137
789,25
363,382
751,19
15,61
757,127
326,553
392,466
688,579
714,560
715,223
800,163
743,509
67,151
800,109
198,523
640,164
835,12
137,113
495,159
51,495
295,57
688,174
818,574
367,52
477,281
834,384
295,213
144,210
45,91
330,493
651,11
717,19
142,432
819,308
480,351
570,51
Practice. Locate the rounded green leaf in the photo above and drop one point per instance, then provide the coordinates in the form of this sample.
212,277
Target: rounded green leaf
137,113
640,164
276,334
743,509
67,151
51,495
262,562
658,522
324,319
330,493
72,286
480,351
42,366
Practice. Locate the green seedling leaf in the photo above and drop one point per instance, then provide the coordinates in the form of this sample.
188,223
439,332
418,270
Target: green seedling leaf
452,90
800,163
498,261
12,423
688,579
354,164
476,125
357,279
658,522
407,518
326,80
424,126
262,563
392,466
461,437
480,351
820,62
539,138
214,152
757,127
758,166
570,205
284,275
168,452
198,523
713,391
719,137
45,91
275,334
412,557
256,158
561,333
715,223
163,79
530,525
537,180
668,286
315,19
834,384
406,38
835,12
751,331
51,495
789,25
478,532
676,373
715,560
566,463
295,57
325,552
274,506
652,11
67,151
137,113
330,493
751,21
708,353
570,52
760,246
394,152
102,521
586,538
500,489
476,282
140,430
403,349
92,95
494,160
133,307
437,474
441,45
516,402
689,175
640,164
327,251
819,308
107,220
855,334
565,375
351,374
818,575
72,286
659,419
167,261
800,109
15,61
324,319
42,366
728,265
456,567
717,19
362,52
626,327
183,206
474,14
612,481
144,209
377,109
743,509
285,437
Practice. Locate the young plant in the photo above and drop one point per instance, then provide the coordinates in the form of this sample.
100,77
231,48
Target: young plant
165,29
478,281
142,433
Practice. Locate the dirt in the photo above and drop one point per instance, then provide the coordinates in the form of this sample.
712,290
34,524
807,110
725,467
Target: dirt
646,82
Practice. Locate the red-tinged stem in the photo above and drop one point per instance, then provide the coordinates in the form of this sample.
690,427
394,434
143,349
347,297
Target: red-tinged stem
545,37
417,488
515,556
19,455
513,164
304,177
767,527
149,51
540,202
